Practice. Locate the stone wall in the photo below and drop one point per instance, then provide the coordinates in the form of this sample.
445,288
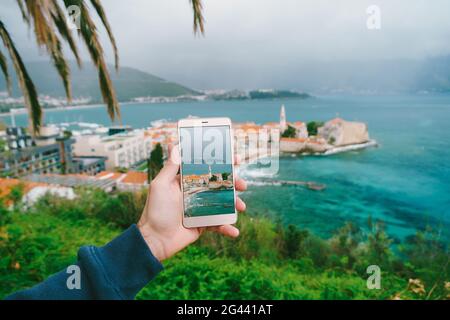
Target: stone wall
339,132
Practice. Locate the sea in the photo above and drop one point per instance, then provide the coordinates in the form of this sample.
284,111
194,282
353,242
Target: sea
404,182
211,202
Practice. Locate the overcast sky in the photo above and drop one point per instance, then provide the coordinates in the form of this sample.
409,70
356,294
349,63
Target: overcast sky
247,41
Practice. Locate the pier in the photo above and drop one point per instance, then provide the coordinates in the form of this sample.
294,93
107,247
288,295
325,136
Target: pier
308,184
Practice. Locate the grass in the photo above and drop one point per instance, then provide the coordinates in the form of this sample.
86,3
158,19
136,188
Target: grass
267,261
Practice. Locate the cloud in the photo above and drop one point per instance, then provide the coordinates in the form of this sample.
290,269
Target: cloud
247,42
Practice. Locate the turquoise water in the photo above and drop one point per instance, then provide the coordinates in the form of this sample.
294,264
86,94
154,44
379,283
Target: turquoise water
211,202
405,181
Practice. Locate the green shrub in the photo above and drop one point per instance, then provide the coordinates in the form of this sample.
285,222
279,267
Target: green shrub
267,261
313,127
34,246
290,132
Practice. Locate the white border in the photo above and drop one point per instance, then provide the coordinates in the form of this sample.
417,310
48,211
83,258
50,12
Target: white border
208,220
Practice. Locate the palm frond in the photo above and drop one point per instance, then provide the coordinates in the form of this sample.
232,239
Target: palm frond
40,11
101,13
199,20
4,67
25,82
60,22
25,15
62,67
88,33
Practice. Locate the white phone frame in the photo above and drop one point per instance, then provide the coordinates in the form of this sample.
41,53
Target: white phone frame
216,219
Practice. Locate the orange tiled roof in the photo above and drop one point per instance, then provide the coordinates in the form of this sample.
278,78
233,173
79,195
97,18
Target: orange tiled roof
250,126
169,125
135,177
192,176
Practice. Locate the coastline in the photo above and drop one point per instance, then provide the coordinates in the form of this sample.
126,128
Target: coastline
67,108
351,147
80,107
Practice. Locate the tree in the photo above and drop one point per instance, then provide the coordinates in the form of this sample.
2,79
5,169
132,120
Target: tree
16,194
2,145
48,19
121,169
290,132
345,243
213,178
313,127
5,217
225,175
67,134
155,162
379,243
294,241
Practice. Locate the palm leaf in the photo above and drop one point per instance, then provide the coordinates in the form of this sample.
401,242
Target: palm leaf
4,67
25,14
47,17
88,33
199,20
101,13
59,19
40,11
63,68
25,82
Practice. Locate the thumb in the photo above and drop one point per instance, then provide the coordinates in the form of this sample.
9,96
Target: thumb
170,169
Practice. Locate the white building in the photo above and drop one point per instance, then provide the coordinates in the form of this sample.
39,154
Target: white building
300,129
122,150
38,192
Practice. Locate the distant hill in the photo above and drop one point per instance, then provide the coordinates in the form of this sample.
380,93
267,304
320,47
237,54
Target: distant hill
255,94
129,82
273,94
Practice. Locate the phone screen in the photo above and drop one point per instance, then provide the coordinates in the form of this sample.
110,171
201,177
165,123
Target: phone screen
207,171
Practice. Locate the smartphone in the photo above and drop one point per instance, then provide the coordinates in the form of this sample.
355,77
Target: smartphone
207,172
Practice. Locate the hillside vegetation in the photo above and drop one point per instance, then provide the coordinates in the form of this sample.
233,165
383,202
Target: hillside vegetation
268,260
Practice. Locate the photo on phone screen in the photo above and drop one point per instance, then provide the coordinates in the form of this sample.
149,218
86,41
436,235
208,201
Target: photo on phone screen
207,171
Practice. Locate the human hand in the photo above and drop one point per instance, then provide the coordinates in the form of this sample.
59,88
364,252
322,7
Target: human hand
161,221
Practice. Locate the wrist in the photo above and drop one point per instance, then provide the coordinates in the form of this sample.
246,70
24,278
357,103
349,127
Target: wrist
154,243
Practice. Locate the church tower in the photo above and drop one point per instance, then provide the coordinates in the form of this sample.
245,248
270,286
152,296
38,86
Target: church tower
283,124
209,171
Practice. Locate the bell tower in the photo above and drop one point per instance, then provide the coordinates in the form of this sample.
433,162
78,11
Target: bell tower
283,124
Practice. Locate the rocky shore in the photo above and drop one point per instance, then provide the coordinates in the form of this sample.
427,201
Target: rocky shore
335,136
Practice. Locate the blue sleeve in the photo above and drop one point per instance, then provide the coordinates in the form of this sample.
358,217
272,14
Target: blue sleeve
119,270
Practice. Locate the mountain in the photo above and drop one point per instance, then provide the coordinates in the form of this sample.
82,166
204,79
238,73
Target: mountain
364,76
129,82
